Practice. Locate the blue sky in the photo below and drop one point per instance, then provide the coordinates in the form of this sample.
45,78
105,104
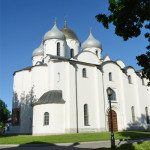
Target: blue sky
23,23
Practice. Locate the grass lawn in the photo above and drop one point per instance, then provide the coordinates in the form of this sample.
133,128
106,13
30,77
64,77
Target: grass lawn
67,138
134,146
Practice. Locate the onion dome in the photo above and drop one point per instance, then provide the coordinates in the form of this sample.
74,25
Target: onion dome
38,51
91,42
69,33
54,33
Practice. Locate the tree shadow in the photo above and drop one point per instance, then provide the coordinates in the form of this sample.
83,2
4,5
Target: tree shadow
23,102
45,146
127,146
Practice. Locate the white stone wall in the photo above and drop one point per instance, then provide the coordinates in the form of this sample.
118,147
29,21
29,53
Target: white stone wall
73,44
36,59
88,93
116,85
22,99
56,119
88,57
29,85
93,50
39,78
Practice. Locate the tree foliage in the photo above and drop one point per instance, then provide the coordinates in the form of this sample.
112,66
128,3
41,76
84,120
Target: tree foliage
128,17
4,113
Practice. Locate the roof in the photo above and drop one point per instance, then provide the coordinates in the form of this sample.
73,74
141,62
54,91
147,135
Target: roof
91,42
29,68
69,33
54,33
53,96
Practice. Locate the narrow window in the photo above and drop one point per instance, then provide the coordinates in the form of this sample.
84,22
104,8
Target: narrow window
46,118
133,114
143,82
16,116
58,77
72,53
84,72
86,117
97,53
147,116
110,76
129,79
58,49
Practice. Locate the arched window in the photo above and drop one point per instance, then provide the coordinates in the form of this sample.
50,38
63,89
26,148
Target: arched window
129,79
133,114
147,116
46,118
110,76
84,72
96,52
86,116
58,49
72,53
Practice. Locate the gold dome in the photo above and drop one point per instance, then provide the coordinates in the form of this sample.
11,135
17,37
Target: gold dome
69,33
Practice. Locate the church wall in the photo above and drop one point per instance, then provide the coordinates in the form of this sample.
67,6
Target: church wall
56,119
60,75
93,50
88,57
26,101
22,100
117,85
29,85
131,99
144,101
39,77
88,94
71,126
73,44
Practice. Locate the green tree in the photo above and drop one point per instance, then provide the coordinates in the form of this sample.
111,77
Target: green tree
4,113
128,17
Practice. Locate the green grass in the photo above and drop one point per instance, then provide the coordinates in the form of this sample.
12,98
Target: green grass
67,138
134,146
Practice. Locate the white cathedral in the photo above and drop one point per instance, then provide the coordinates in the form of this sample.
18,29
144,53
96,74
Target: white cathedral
65,90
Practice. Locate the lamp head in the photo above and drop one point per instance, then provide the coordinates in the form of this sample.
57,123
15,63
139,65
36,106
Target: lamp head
109,91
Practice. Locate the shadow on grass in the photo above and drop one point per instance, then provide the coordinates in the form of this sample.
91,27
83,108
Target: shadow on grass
131,135
133,146
44,146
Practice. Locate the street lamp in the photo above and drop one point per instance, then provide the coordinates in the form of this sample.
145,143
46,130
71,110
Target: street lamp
109,93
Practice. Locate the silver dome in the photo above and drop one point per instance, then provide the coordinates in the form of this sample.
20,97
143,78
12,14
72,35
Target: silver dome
38,51
54,33
91,42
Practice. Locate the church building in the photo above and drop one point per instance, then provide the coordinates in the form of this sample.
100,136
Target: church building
65,90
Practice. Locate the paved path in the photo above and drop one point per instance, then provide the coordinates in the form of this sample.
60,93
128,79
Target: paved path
73,146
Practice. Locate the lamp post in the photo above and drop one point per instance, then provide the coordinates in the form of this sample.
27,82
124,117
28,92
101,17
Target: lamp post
109,93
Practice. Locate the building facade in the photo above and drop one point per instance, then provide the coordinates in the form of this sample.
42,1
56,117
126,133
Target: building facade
65,91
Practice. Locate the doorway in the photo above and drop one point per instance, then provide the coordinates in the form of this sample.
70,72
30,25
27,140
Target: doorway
114,118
